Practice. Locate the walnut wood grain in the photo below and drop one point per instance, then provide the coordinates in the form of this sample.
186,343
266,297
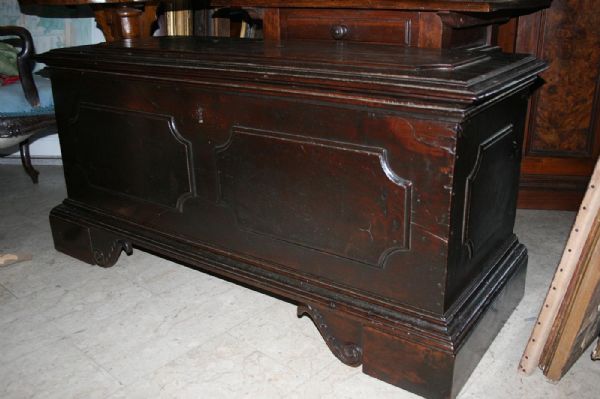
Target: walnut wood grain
430,29
342,336
80,2
563,132
125,21
451,5
271,24
563,122
118,19
96,246
506,35
551,191
448,5
374,185
374,26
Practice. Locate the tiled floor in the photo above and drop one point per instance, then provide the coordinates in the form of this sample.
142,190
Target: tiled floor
150,328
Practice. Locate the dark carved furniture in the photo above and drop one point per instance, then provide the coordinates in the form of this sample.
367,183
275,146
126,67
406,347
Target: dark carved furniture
562,142
118,19
418,23
374,185
421,23
22,113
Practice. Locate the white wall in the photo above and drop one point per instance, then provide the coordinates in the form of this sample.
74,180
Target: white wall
51,27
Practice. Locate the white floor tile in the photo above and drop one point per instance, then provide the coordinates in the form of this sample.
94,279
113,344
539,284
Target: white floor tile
56,371
150,328
221,368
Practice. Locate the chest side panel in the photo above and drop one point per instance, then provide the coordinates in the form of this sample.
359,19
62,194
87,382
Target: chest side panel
486,186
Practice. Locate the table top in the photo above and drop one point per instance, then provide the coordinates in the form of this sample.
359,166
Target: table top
446,5
447,75
83,2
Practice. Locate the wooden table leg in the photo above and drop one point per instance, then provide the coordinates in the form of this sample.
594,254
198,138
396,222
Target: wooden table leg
26,161
125,21
271,24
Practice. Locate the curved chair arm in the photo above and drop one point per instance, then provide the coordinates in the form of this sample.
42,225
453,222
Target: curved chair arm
25,61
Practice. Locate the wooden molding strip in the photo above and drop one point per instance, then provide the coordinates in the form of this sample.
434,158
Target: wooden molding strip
590,207
576,325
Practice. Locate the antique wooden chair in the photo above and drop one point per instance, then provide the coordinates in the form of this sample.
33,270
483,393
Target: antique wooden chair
26,108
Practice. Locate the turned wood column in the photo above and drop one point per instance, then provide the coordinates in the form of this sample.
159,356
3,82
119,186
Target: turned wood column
125,21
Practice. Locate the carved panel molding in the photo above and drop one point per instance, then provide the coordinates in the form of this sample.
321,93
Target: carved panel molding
110,156
349,353
488,202
272,173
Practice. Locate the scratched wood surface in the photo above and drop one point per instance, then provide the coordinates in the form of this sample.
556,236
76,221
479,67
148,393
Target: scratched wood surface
563,134
373,185
458,5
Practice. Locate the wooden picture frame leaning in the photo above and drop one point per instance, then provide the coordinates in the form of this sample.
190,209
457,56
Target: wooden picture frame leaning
569,319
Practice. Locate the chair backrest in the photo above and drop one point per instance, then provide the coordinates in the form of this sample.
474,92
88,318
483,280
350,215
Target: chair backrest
25,61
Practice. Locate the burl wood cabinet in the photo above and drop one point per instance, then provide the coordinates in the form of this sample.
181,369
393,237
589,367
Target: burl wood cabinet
563,130
373,185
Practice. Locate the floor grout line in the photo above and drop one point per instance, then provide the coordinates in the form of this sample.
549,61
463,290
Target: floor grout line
98,365
9,291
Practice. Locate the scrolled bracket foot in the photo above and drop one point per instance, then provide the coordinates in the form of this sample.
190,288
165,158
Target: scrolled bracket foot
106,249
349,353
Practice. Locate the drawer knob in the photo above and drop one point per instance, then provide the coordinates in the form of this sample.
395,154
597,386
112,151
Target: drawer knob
338,32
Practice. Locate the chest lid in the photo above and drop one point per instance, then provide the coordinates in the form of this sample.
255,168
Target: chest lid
410,76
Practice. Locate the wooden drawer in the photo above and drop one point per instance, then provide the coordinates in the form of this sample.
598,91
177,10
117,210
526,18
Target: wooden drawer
353,25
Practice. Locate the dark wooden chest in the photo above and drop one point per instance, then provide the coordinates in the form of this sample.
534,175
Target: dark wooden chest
374,185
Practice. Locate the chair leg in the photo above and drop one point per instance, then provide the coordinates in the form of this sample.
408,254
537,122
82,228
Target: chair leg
26,161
